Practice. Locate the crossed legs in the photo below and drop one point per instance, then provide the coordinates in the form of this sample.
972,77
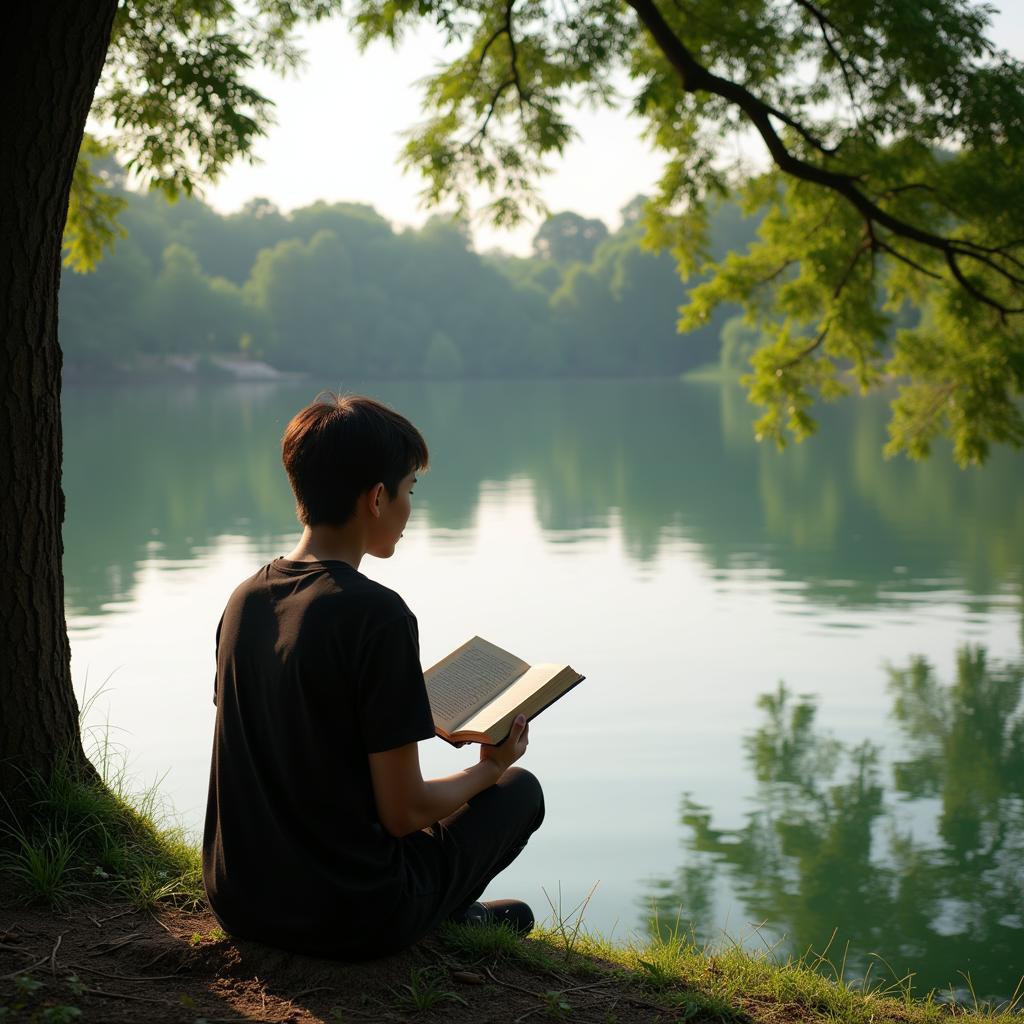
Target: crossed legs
451,863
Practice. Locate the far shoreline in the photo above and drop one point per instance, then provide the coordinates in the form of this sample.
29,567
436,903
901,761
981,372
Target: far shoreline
179,369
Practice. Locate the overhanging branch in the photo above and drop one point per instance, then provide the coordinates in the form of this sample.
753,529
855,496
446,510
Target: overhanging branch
697,78
512,81
825,25
868,245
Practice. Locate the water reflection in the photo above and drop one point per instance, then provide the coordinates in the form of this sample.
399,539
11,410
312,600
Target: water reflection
647,503
166,472
928,875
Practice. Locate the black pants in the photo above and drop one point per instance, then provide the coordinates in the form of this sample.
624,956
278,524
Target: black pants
450,864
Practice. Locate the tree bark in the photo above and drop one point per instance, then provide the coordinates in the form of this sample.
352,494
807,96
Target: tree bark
51,55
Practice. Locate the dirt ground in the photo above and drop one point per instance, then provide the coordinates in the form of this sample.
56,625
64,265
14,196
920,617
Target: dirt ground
116,965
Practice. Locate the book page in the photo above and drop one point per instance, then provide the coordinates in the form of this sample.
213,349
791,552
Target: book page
529,683
467,678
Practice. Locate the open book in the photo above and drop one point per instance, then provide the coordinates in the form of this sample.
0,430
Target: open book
477,691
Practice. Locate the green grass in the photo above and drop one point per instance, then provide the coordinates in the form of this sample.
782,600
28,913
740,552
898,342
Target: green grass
569,923
729,985
556,1004
84,840
425,989
43,865
481,942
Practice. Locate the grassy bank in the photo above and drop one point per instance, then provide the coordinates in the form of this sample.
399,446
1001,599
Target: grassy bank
105,920
98,842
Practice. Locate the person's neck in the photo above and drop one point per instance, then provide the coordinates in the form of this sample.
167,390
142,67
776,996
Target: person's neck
330,544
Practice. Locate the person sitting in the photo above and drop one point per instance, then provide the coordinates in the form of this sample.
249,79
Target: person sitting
321,834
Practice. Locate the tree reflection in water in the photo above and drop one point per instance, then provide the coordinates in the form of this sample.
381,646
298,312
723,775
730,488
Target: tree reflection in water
917,857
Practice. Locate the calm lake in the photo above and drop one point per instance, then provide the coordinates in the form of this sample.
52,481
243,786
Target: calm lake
802,722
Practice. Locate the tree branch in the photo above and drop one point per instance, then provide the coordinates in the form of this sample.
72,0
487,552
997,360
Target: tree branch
804,353
904,258
865,246
825,24
775,273
495,35
972,290
482,130
504,29
995,250
897,189
513,53
982,257
939,399
805,133
697,78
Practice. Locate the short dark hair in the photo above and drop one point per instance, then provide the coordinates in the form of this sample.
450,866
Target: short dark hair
339,447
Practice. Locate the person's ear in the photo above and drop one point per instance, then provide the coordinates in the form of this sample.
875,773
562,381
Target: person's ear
376,493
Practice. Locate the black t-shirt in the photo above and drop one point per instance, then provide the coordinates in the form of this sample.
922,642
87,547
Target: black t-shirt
317,666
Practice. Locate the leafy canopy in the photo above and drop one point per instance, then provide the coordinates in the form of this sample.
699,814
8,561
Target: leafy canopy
891,238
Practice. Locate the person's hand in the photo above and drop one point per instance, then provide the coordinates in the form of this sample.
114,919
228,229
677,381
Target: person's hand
506,755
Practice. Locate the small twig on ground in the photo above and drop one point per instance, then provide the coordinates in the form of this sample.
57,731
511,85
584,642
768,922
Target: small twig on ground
645,1003
509,984
162,925
593,984
124,977
552,973
529,1013
100,921
53,954
14,949
310,991
109,947
160,956
439,956
125,995
25,970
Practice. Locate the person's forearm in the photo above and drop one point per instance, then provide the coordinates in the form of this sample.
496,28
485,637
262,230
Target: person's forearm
440,797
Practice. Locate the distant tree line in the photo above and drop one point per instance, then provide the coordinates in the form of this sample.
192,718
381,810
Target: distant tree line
335,289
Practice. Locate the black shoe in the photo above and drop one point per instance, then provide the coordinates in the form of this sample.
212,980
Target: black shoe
515,914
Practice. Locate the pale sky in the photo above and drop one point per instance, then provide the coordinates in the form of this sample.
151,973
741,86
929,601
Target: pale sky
339,134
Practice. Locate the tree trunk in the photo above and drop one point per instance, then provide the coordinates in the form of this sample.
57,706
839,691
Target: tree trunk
51,55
